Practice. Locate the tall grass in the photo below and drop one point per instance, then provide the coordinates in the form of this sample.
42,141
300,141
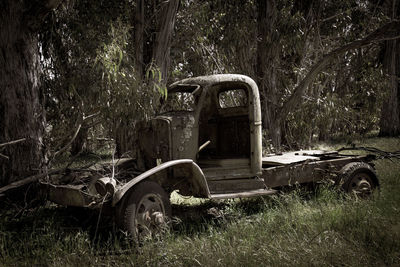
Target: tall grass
300,228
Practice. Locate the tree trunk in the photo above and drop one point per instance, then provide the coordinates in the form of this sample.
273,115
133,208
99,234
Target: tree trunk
157,50
79,142
390,115
122,133
147,52
21,111
268,51
139,37
162,45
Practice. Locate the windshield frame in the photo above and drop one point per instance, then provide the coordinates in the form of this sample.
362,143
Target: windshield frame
192,89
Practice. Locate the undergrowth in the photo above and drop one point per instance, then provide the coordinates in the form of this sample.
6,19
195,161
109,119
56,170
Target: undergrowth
297,228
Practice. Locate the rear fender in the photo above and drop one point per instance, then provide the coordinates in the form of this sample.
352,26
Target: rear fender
193,174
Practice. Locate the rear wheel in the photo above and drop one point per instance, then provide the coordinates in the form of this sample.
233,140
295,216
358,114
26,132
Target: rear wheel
145,212
359,178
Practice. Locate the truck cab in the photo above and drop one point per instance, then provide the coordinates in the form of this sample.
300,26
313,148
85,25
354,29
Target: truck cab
214,121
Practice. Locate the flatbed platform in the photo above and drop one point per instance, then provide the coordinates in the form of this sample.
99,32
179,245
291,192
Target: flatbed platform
296,157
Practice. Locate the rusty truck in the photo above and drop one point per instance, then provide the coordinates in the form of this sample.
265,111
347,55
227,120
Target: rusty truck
205,142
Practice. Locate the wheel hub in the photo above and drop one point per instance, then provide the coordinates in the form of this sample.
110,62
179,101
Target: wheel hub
360,185
151,215
363,185
158,217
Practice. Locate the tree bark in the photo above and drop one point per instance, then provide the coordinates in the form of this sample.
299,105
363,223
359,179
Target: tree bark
21,112
150,52
159,47
139,37
162,45
79,142
268,52
390,115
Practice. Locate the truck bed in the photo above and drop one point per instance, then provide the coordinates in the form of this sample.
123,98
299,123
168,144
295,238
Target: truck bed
296,157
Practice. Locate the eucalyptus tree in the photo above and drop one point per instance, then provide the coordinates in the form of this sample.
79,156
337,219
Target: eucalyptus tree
22,115
294,50
390,117
106,63
153,24
354,30
75,41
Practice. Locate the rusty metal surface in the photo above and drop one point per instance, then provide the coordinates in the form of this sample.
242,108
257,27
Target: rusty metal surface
213,79
196,176
235,185
213,84
70,195
296,157
251,193
305,172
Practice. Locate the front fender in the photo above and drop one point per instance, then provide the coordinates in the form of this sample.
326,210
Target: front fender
197,178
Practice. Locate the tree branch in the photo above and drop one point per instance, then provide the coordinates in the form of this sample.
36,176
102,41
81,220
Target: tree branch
389,31
80,125
4,156
70,142
91,116
340,13
29,180
13,142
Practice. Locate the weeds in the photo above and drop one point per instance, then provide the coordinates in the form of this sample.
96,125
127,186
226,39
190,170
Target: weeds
300,227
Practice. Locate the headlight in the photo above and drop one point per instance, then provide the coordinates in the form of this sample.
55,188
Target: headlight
105,185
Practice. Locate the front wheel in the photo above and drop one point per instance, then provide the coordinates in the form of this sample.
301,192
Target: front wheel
146,211
359,178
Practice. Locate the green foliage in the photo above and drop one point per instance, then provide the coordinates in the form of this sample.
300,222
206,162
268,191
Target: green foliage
154,76
214,37
345,104
123,93
89,69
71,38
298,227
344,100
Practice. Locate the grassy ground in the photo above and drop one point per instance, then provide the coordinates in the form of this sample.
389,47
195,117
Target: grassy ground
301,228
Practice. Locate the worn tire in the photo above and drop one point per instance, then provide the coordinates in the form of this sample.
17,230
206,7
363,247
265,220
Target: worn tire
145,211
359,178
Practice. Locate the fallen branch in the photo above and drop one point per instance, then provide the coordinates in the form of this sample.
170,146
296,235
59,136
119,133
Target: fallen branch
36,177
29,180
91,116
13,142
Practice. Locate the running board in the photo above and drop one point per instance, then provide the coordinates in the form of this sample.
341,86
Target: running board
252,193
